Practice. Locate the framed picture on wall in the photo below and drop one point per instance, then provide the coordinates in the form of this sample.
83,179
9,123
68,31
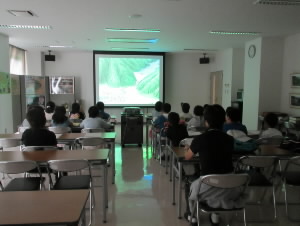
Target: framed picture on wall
61,85
4,83
295,80
35,85
294,100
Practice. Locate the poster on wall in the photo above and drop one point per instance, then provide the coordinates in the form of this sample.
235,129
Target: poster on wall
35,100
35,85
61,85
4,83
295,80
295,100
15,84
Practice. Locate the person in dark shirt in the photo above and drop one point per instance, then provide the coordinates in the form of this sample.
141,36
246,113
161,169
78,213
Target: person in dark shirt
215,149
38,135
76,113
102,113
233,121
176,132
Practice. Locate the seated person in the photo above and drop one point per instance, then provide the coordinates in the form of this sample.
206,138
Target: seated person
176,132
185,116
197,119
25,122
157,110
215,150
49,110
94,122
76,113
270,122
38,135
102,113
59,118
233,121
159,123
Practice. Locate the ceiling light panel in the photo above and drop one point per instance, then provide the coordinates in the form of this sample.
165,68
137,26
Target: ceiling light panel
37,27
132,40
124,48
233,33
133,30
277,2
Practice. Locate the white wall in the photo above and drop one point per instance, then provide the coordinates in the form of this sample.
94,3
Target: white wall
6,120
223,62
251,85
291,64
238,63
271,72
186,80
34,63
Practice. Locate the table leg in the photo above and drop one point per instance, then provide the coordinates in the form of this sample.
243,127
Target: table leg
179,189
173,183
112,145
105,193
147,133
171,164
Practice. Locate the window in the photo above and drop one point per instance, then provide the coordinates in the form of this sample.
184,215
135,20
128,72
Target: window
17,60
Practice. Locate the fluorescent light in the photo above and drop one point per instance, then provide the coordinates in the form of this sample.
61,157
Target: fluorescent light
132,40
60,46
132,29
41,27
233,33
277,2
124,48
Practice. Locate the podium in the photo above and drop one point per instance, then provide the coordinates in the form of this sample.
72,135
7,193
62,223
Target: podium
131,127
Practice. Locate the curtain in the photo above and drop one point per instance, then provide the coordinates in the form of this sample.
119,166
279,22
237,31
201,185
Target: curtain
17,60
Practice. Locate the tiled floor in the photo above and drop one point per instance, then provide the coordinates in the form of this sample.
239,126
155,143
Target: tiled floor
142,196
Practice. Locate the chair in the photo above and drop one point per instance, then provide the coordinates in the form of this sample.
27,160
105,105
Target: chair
237,182
276,140
291,178
22,129
59,130
89,130
162,143
90,142
72,182
262,172
21,184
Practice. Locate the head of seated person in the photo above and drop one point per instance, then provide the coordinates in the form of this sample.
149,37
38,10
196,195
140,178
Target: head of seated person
232,115
158,106
75,112
271,120
166,108
185,107
173,119
198,110
36,117
93,112
50,107
214,116
59,117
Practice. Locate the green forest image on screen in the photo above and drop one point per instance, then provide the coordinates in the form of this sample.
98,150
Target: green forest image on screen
129,80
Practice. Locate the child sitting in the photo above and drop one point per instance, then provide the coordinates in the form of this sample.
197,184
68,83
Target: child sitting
176,132
271,122
185,116
197,120
233,121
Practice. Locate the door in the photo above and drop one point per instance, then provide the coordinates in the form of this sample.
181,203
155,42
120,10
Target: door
216,85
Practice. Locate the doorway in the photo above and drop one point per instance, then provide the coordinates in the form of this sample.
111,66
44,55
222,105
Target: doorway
216,85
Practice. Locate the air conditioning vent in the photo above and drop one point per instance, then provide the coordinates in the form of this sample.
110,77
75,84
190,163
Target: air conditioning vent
21,13
277,2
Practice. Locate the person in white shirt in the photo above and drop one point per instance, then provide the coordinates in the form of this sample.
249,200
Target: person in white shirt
157,110
271,122
186,115
197,120
94,122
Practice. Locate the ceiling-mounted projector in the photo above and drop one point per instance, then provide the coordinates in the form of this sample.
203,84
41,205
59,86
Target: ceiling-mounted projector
49,57
204,59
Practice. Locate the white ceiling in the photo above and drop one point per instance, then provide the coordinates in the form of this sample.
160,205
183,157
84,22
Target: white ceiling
184,24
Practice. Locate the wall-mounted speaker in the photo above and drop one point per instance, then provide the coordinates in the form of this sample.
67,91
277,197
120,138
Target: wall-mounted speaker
49,57
204,59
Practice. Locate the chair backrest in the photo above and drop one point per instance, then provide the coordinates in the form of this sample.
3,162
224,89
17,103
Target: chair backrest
196,128
38,148
22,129
58,130
258,161
293,161
90,130
91,142
275,140
185,142
70,165
8,142
16,167
226,180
